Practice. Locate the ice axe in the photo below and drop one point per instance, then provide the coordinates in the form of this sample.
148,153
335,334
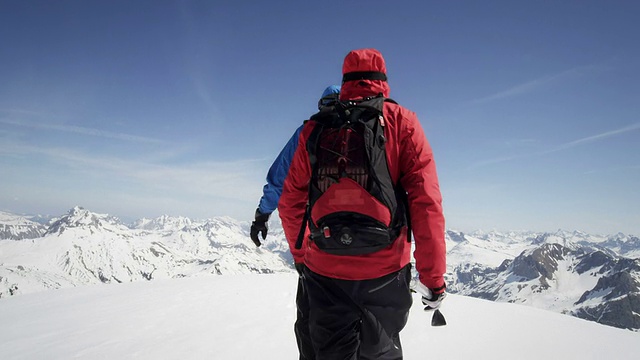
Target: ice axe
438,319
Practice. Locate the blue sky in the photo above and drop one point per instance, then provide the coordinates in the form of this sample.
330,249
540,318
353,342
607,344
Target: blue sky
144,108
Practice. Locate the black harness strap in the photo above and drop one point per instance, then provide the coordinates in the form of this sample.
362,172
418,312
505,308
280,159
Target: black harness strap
303,228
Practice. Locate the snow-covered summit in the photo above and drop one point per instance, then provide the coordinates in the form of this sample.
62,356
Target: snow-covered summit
81,218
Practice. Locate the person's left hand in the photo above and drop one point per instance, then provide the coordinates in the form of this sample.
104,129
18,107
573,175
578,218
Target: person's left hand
259,226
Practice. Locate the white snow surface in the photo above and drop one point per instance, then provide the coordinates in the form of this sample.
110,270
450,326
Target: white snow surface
251,317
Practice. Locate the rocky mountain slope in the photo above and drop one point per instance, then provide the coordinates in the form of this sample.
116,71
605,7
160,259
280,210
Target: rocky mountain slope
578,275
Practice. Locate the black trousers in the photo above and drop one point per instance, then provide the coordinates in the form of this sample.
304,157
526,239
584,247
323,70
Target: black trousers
358,320
301,326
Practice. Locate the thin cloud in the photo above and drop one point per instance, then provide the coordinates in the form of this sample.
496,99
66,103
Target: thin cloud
594,138
532,85
82,131
218,179
565,146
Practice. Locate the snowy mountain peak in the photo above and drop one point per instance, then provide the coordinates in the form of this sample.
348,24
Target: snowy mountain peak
81,218
455,236
541,262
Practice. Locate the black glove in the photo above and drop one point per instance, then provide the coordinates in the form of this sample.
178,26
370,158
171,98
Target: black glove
259,225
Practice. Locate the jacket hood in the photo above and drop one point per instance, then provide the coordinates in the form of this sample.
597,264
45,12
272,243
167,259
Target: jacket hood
363,61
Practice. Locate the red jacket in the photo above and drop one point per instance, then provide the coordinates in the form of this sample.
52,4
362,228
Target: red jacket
410,161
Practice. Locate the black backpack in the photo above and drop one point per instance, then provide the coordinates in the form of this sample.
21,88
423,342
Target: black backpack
354,207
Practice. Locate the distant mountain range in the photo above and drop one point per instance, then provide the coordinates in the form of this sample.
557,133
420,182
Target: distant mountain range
82,248
593,277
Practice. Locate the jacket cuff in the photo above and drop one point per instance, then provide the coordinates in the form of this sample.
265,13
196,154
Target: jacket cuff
260,217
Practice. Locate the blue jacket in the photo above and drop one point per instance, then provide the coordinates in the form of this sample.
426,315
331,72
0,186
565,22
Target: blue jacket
276,175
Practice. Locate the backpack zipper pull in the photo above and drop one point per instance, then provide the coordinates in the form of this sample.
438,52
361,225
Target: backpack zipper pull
381,140
326,231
